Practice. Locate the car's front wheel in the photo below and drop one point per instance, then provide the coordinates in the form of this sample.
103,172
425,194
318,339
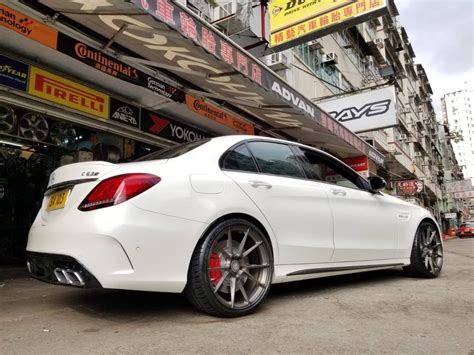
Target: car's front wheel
231,269
427,252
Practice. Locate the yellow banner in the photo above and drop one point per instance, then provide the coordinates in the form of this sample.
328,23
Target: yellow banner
292,19
67,93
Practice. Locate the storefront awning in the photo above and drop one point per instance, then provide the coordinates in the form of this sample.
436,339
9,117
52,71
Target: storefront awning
166,36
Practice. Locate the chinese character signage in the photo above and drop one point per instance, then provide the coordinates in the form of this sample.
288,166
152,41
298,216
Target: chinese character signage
409,187
298,21
207,61
13,73
459,186
67,93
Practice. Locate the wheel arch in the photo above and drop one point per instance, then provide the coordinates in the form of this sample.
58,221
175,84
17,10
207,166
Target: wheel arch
248,218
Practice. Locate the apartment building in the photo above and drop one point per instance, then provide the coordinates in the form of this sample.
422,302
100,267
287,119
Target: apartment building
457,110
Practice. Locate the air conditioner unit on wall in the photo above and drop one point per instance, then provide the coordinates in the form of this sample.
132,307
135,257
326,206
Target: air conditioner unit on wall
402,137
278,61
329,58
418,154
314,45
379,42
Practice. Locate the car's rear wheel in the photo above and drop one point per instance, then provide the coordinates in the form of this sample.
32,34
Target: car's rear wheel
427,252
231,269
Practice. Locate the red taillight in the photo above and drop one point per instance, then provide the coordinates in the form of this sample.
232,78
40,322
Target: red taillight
117,189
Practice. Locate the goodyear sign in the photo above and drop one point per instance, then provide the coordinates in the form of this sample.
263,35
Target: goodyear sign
67,93
298,21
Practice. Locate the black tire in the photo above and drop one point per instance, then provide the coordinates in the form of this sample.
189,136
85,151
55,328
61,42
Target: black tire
245,269
426,260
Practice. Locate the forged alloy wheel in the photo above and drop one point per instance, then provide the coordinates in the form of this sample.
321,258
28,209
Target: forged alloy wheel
427,252
231,270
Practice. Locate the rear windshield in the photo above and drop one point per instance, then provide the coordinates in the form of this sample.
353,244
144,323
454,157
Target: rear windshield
468,224
174,151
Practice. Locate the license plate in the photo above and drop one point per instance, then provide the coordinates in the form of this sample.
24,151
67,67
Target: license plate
58,200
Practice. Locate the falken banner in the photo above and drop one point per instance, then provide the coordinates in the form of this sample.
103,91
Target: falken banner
298,21
364,112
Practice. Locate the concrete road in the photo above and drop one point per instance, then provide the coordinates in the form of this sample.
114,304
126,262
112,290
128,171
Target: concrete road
377,312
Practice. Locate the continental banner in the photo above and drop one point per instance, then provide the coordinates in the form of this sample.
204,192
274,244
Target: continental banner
67,93
214,113
28,27
112,66
298,21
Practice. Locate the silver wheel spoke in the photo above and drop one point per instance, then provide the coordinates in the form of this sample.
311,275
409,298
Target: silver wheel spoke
430,260
253,278
436,245
426,262
242,243
223,251
232,292
432,237
221,282
229,241
242,290
255,246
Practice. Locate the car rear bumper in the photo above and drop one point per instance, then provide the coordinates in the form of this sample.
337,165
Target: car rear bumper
121,247
60,270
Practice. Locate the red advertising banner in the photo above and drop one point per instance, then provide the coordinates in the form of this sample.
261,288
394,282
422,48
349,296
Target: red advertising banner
410,187
358,163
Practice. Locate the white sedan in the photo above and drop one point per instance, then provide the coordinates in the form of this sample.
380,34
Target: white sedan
222,219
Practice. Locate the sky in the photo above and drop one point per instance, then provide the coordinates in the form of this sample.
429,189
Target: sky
441,33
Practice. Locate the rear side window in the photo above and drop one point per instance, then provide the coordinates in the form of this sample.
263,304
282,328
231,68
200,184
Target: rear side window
240,159
276,159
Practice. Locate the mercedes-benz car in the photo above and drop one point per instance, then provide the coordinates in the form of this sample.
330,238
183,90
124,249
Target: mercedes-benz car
222,219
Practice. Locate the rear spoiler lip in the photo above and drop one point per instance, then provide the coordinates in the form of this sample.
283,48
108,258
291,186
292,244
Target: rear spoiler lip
69,183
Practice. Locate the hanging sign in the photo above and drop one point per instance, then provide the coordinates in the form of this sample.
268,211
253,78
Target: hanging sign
409,187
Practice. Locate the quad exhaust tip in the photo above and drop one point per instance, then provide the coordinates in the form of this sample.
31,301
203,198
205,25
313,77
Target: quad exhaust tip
69,277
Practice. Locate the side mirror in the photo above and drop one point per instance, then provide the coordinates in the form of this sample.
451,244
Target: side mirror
377,183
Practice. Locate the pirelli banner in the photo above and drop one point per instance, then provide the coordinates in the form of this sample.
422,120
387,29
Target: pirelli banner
293,22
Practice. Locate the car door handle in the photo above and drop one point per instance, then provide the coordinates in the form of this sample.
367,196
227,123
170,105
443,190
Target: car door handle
258,184
338,192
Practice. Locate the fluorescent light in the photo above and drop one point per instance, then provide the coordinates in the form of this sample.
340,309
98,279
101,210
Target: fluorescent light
11,143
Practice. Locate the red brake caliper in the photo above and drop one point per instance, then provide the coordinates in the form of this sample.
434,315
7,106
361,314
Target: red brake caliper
215,275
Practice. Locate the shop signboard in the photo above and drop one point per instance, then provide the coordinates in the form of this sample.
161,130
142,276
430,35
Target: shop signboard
297,21
368,111
459,186
450,215
156,124
409,187
218,115
173,38
464,194
54,88
112,66
359,164
124,113
28,27
13,73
